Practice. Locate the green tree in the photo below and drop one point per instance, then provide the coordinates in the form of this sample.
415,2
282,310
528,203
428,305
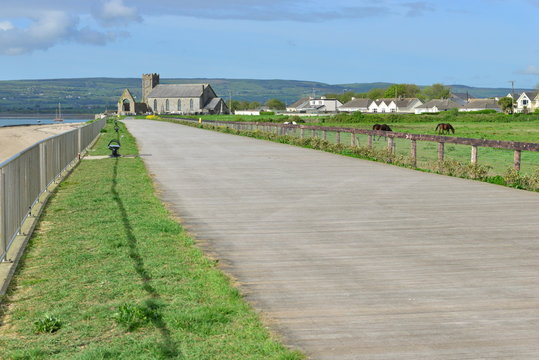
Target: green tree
375,93
506,104
276,104
402,90
254,105
437,91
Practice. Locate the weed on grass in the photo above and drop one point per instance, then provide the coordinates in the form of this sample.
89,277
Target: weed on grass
48,324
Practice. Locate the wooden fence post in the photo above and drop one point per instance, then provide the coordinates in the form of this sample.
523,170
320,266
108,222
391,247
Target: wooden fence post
352,139
413,152
390,145
441,151
338,137
325,135
370,141
313,133
474,154
517,157
302,133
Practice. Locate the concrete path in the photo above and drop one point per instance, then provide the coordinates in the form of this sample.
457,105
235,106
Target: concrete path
350,259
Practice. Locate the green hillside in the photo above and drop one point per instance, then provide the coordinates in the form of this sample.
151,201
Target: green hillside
91,95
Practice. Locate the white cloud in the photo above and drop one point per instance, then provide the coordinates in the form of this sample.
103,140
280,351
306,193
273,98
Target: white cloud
47,29
530,70
6,25
115,12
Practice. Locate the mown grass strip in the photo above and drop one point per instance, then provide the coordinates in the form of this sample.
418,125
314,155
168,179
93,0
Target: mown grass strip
108,274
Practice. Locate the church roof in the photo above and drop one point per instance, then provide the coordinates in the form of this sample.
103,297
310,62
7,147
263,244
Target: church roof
177,90
212,105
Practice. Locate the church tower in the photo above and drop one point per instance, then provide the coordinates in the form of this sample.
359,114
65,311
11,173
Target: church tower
149,81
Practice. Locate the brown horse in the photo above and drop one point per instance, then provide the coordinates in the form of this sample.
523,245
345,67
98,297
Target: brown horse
444,128
381,127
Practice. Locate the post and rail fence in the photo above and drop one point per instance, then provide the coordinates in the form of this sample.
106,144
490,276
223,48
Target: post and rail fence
28,174
291,129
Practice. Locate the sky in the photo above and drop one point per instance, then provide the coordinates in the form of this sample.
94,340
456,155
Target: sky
483,43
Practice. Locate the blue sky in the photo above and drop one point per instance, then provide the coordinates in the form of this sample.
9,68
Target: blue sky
474,42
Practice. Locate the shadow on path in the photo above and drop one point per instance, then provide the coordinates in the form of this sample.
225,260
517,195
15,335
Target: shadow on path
168,347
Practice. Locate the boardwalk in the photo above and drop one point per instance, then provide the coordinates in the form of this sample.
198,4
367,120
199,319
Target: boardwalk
350,259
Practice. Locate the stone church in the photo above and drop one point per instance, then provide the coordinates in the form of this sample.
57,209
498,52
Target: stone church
181,99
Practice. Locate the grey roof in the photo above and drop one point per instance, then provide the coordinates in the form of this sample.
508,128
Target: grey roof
530,94
482,104
212,105
299,102
442,104
177,91
405,102
358,103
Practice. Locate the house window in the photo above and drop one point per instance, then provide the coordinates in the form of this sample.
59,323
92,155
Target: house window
167,106
179,105
392,110
524,102
155,105
375,110
191,104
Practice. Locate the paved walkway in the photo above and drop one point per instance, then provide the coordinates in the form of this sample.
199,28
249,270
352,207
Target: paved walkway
350,259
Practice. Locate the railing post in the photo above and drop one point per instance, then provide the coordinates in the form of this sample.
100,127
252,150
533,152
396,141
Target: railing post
474,154
517,157
338,137
370,141
441,151
43,167
390,145
413,152
3,236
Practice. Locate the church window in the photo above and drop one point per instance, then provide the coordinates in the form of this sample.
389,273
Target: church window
191,104
166,106
179,105
155,105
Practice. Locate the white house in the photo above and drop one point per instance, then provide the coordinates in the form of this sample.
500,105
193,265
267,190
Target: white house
356,105
310,105
527,102
373,106
481,104
436,105
405,105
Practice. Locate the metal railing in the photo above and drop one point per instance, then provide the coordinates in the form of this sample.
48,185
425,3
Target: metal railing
352,133
26,175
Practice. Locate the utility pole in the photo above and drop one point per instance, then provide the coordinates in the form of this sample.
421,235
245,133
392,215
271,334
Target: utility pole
513,94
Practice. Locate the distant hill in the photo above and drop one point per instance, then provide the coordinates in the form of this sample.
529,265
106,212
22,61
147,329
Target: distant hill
91,95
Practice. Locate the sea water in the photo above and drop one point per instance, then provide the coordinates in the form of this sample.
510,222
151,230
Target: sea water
18,121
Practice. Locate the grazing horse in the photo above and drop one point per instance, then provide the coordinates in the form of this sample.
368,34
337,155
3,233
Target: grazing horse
444,128
381,127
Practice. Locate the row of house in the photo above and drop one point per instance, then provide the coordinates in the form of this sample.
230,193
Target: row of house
525,102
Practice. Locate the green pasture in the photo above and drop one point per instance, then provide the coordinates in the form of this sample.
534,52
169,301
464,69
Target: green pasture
109,274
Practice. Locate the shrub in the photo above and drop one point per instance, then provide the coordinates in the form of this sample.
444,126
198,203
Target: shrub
267,113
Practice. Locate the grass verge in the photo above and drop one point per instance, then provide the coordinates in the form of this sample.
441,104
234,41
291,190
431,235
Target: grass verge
108,274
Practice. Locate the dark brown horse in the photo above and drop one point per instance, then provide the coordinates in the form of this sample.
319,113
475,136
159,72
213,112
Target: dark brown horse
381,127
444,128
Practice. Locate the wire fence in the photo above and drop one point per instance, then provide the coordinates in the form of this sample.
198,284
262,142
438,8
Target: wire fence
422,150
26,175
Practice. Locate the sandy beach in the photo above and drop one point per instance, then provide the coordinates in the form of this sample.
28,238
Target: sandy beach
14,139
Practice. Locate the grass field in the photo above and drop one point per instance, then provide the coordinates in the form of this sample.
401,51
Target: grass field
110,275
